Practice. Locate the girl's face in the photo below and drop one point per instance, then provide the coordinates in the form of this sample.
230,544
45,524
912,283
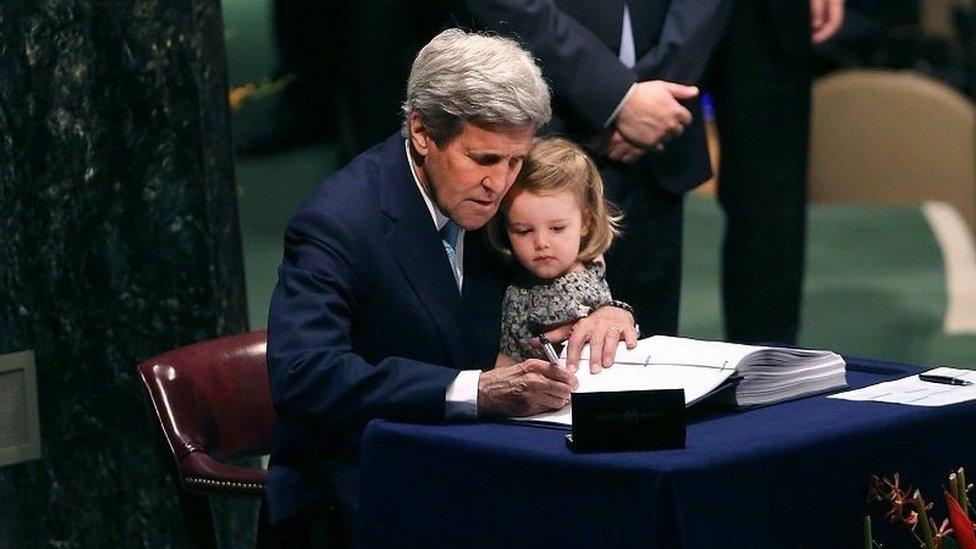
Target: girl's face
545,231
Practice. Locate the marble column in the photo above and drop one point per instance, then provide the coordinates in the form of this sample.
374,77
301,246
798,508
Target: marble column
119,239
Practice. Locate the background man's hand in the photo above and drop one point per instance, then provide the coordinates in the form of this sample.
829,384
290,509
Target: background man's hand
527,388
825,18
653,113
619,149
602,330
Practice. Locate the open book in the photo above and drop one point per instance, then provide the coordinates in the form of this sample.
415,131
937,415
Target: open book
746,375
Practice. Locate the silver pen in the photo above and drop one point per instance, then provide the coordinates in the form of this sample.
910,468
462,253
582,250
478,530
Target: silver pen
549,350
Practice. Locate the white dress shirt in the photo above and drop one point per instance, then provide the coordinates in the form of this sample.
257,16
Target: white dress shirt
628,56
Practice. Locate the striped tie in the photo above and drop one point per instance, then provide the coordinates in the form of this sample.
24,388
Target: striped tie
449,237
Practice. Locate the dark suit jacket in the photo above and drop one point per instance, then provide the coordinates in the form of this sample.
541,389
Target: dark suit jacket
791,24
366,320
577,43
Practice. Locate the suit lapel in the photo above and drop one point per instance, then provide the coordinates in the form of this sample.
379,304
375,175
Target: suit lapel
414,242
485,279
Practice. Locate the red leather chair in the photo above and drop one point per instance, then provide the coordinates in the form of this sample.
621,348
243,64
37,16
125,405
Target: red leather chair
213,404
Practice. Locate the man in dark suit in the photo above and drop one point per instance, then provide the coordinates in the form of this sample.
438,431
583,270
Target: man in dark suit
616,68
761,83
388,303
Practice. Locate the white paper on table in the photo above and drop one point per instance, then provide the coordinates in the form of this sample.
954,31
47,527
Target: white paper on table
649,367
769,374
914,392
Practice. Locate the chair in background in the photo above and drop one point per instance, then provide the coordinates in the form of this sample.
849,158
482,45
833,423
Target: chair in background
885,137
212,401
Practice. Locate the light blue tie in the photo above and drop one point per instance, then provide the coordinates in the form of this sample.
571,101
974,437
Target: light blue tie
449,237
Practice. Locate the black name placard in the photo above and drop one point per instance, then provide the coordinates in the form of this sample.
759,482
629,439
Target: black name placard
628,420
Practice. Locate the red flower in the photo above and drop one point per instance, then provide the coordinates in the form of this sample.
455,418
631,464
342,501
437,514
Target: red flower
961,525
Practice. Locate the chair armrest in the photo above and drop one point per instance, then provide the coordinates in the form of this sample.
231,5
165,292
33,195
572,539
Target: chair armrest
204,474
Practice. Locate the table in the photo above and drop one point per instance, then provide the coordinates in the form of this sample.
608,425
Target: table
789,475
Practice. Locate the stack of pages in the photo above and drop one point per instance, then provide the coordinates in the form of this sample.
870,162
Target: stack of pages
760,375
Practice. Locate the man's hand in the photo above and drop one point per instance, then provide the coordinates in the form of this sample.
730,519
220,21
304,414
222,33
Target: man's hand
825,18
602,330
527,388
652,113
619,150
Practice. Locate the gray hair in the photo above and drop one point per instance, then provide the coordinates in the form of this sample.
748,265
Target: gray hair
472,77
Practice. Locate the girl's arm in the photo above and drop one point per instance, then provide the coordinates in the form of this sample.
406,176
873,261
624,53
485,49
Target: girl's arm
503,360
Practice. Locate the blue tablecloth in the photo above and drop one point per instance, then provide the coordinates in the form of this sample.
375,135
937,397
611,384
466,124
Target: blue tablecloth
790,475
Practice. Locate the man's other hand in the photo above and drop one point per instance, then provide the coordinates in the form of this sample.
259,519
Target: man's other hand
527,388
619,149
652,113
602,330
825,18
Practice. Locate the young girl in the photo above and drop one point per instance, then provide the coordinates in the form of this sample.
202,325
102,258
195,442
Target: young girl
556,224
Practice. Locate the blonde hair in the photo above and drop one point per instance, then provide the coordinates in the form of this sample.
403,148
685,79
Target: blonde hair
554,165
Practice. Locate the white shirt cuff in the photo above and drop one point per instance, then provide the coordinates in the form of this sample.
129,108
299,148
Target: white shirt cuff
620,106
462,396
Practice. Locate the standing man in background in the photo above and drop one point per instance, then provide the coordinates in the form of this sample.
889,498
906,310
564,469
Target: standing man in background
618,70
762,84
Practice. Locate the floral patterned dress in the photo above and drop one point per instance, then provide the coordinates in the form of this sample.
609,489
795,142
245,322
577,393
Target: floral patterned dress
533,305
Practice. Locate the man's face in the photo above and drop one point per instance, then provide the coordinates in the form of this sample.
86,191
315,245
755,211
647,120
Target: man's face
470,174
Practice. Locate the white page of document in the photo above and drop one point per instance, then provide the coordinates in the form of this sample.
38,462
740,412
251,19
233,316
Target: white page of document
667,349
914,392
699,367
697,382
